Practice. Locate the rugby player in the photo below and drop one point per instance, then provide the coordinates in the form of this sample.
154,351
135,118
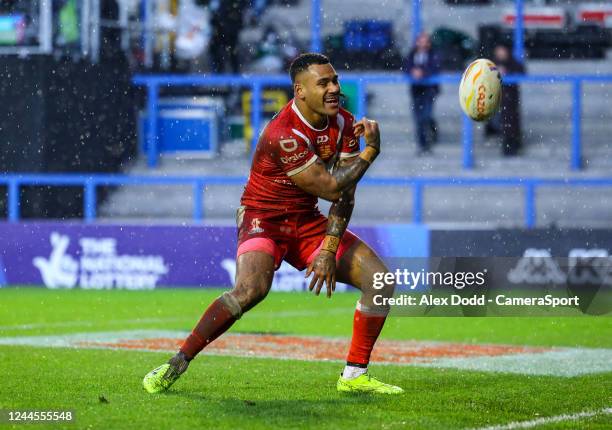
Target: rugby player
309,150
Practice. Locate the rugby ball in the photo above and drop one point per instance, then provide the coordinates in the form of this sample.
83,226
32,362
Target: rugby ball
480,90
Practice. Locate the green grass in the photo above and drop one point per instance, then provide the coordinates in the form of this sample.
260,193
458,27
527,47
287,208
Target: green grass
226,392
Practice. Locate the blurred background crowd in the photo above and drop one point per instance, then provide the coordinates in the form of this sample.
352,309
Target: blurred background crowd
72,105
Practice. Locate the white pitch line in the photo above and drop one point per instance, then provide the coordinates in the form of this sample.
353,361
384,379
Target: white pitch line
548,420
542,363
566,362
85,323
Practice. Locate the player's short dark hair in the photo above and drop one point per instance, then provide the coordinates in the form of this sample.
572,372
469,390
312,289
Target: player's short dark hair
303,61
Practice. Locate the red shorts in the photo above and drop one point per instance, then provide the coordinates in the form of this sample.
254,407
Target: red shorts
295,238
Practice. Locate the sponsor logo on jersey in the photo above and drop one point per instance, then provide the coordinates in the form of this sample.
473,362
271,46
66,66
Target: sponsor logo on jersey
288,145
322,139
284,181
255,226
295,157
349,141
325,152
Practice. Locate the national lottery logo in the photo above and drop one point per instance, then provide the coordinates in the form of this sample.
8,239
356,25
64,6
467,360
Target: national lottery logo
98,265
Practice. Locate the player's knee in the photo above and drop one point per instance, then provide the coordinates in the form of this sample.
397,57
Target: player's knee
232,304
249,294
257,292
373,306
388,289
374,294
383,283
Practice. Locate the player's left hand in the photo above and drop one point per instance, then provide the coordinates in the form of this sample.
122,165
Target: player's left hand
324,269
369,129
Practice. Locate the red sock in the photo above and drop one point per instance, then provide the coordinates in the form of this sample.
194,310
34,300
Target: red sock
216,320
366,328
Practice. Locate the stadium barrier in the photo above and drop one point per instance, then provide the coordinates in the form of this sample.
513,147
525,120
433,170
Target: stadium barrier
257,83
198,184
66,255
106,256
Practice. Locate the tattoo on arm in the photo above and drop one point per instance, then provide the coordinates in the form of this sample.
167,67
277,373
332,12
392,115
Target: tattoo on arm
347,175
341,210
340,214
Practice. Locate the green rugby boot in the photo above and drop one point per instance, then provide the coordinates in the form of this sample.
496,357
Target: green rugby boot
162,377
366,384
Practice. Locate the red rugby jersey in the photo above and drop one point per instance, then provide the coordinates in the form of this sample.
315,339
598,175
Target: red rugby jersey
287,146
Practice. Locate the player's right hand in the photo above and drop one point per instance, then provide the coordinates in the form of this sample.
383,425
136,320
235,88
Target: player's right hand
324,268
370,130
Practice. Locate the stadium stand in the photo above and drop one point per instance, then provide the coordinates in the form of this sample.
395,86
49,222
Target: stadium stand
547,128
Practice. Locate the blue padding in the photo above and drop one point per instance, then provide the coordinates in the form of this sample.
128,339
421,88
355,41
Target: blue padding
2,274
404,240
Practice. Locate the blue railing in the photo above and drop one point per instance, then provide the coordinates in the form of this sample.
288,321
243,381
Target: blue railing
256,83
92,182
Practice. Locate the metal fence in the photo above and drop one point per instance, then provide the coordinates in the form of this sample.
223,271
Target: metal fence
256,83
90,183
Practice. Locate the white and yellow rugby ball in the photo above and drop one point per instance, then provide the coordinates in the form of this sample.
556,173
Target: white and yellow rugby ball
480,90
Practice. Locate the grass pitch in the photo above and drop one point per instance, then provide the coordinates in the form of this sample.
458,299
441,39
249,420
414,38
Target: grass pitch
103,387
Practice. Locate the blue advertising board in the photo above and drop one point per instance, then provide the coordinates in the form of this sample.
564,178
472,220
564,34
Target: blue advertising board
104,256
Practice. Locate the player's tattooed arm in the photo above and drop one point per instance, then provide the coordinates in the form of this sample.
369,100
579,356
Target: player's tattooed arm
341,210
317,181
348,174
324,264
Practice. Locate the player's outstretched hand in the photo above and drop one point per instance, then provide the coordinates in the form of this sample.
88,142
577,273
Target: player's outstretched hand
370,130
324,269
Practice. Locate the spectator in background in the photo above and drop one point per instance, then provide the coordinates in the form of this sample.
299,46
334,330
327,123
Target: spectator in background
227,23
275,52
510,114
421,63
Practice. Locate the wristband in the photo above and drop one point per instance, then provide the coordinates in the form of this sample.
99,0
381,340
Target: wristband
369,154
331,243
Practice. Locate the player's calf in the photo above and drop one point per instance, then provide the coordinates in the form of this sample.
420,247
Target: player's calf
254,278
218,318
368,322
